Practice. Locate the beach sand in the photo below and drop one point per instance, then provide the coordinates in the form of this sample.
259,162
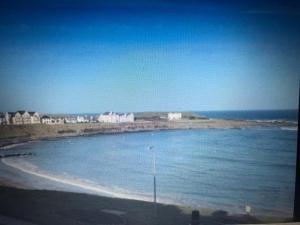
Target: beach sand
40,198
62,204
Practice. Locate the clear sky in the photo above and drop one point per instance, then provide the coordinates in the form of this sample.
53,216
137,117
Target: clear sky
94,56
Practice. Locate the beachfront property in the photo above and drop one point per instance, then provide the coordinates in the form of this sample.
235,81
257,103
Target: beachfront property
34,117
82,119
112,117
174,116
70,120
4,118
93,119
58,121
20,117
51,121
46,119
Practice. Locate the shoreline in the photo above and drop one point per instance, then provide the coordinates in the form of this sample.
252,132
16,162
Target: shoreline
101,192
24,179
14,135
93,188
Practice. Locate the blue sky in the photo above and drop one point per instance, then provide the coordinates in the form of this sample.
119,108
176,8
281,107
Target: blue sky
93,56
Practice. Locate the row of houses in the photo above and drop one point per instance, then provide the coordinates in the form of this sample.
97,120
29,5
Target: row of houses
19,117
24,117
49,120
69,119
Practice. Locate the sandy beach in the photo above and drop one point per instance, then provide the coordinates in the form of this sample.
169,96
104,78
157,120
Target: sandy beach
39,191
42,192
64,200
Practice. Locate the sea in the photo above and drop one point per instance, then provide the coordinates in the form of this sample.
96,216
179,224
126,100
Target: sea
223,169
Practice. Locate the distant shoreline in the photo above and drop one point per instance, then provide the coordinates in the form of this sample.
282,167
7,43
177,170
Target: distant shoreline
19,135
12,135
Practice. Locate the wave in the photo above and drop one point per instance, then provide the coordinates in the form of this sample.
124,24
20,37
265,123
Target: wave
82,184
10,146
273,121
289,128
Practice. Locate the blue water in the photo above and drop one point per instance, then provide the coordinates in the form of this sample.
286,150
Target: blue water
289,115
213,168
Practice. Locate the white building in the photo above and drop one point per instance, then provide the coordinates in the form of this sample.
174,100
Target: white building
51,121
174,116
82,119
46,120
111,117
70,120
34,118
20,117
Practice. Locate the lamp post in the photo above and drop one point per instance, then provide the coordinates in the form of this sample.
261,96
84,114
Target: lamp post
154,179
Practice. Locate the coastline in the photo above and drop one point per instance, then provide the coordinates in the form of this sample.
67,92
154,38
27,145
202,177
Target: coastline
29,169
21,185
14,135
16,177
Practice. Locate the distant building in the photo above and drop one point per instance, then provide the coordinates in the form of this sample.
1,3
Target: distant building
58,121
15,118
112,117
93,119
52,121
20,117
70,120
174,116
4,118
82,119
34,117
46,119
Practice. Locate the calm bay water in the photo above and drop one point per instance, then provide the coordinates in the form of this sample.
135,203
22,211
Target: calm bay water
289,115
214,168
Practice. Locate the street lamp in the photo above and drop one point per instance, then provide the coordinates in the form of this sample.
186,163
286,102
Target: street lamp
154,179
154,172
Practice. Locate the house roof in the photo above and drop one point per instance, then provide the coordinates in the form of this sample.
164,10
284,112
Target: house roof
45,117
21,111
31,113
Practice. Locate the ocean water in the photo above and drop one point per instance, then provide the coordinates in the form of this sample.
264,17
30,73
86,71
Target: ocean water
211,168
289,115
